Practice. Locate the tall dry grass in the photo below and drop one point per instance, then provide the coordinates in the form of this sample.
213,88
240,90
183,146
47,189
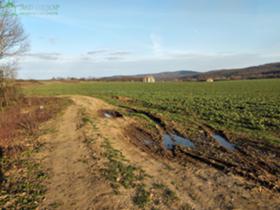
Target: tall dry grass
24,117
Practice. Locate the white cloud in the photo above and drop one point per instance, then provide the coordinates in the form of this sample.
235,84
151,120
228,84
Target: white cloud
101,55
97,52
41,56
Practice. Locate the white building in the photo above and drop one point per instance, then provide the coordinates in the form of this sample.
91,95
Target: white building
209,80
149,79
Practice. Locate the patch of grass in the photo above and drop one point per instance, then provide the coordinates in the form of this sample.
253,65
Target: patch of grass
111,153
150,123
85,119
158,186
141,197
88,140
118,171
168,195
38,146
23,188
165,194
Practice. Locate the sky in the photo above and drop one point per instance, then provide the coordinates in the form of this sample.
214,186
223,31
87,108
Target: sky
96,38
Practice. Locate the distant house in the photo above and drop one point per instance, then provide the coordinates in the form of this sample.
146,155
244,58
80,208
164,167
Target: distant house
209,80
149,79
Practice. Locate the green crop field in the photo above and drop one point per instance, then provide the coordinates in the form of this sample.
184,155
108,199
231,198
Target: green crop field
248,107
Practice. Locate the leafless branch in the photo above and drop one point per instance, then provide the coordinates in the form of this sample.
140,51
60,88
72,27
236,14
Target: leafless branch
13,42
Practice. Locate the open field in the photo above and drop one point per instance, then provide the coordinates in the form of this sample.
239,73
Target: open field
249,108
142,146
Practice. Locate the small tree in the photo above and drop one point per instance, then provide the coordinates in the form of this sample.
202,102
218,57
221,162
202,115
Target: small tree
13,42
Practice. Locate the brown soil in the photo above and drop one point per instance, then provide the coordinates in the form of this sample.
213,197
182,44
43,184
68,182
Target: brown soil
74,157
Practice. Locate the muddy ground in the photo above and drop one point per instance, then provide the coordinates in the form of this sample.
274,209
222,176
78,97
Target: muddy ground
105,157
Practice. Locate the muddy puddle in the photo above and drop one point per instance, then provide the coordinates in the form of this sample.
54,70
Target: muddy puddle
111,114
170,140
107,115
224,142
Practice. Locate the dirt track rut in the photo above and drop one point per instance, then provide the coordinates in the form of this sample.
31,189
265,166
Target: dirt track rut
69,183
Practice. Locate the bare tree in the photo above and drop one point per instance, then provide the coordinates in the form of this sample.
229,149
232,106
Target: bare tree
13,42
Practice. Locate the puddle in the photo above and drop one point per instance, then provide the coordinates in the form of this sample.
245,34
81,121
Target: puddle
111,114
107,115
169,141
223,142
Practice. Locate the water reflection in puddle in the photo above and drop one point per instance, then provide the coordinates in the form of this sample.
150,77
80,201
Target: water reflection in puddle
112,114
170,140
167,142
223,142
107,115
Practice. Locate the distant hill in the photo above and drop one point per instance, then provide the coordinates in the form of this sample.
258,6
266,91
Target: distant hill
162,76
271,70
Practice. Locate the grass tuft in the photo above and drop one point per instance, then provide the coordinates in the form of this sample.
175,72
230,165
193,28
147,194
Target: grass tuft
118,171
141,197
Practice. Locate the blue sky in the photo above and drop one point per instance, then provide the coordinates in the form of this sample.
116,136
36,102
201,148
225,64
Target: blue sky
109,37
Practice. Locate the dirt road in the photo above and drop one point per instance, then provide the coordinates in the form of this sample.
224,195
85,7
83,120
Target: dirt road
94,164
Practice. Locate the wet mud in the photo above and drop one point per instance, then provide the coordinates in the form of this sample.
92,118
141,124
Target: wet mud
253,160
